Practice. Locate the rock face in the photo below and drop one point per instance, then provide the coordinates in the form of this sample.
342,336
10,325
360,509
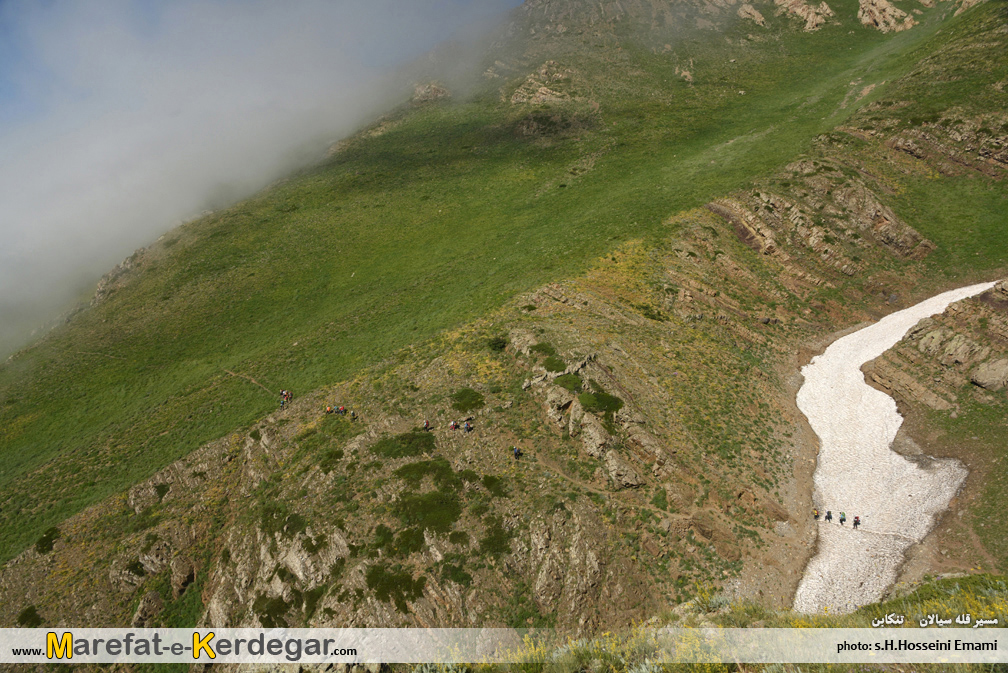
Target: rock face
991,375
884,16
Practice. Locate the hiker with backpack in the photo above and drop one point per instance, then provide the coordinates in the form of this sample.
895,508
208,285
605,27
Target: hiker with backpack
857,522
829,516
843,518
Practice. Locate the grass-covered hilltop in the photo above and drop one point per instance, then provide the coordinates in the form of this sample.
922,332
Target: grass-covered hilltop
615,253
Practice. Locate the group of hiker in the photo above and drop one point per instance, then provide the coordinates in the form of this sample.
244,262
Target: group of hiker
465,426
842,518
341,411
285,398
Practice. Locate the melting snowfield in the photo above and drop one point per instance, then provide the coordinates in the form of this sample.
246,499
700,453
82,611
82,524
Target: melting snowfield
858,472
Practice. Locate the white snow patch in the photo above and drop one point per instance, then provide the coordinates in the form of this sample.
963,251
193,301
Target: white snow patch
858,473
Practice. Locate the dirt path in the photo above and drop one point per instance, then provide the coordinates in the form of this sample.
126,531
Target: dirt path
859,473
660,513
249,378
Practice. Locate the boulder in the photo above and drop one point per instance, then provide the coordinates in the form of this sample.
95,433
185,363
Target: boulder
992,375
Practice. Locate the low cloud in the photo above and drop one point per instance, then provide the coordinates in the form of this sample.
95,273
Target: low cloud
118,119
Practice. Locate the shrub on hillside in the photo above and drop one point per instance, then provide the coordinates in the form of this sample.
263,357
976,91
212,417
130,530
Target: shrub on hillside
407,444
467,399
571,382
497,343
554,364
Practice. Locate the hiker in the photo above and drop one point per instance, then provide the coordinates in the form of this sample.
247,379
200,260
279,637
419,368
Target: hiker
815,514
857,522
283,399
329,409
426,425
843,518
829,516
353,415
342,411
453,425
517,452
468,426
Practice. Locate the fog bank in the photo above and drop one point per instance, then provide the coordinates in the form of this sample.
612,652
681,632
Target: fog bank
120,118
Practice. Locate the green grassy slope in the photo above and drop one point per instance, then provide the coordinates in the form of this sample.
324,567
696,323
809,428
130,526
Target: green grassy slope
448,212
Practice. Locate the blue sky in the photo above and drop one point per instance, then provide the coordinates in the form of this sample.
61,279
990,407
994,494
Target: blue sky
119,118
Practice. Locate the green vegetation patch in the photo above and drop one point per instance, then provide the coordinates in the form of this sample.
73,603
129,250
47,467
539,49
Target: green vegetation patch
600,402
408,444
44,544
571,382
438,469
395,584
408,540
543,348
497,344
29,618
496,540
495,485
554,364
436,510
272,612
467,399
453,570
523,612
275,517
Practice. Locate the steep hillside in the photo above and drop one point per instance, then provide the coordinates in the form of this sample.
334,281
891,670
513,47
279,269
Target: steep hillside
615,259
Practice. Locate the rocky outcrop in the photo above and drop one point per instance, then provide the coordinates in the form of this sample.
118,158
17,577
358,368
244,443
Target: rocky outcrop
557,401
150,606
545,85
622,474
747,11
594,437
884,15
429,92
183,572
814,17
